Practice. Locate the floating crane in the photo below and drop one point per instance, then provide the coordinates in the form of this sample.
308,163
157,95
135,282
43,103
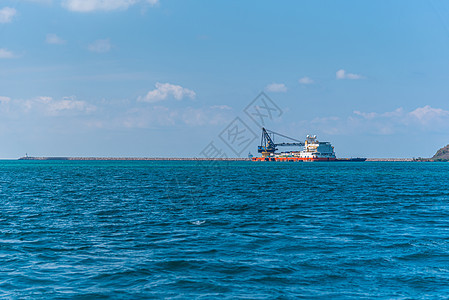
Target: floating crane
268,146
314,150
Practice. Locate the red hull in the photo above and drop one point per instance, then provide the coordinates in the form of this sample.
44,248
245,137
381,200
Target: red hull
292,159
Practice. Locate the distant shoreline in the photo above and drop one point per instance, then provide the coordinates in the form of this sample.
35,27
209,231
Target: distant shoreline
183,159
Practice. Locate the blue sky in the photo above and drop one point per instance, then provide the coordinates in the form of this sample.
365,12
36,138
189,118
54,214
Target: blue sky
165,78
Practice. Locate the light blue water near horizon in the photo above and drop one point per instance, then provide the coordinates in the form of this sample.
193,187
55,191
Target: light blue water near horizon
177,229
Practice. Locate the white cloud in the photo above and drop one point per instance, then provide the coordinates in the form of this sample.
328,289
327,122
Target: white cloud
163,90
100,46
147,117
4,53
424,119
397,113
52,107
158,115
421,115
222,107
102,5
427,114
54,39
276,87
305,80
195,116
7,14
341,74
55,107
206,116
47,106
40,1
365,115
4,99
93,5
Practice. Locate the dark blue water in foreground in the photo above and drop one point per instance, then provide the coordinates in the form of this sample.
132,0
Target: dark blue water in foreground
223,230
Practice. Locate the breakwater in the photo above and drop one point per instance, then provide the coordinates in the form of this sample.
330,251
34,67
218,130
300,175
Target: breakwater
134,158
391,159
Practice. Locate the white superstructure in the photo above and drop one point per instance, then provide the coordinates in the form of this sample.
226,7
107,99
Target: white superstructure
316,149
313,150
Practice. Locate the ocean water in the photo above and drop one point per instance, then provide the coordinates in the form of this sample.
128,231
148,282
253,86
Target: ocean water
247,230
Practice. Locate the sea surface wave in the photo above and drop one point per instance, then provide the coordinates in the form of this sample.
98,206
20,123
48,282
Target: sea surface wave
249,230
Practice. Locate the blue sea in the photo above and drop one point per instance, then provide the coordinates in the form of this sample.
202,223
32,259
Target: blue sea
205,230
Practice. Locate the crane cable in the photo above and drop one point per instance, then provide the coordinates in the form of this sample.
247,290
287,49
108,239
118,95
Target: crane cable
287,137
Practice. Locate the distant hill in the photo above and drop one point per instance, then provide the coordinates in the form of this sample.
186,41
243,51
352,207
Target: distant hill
442,154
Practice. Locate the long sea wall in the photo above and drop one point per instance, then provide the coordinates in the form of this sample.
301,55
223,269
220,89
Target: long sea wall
133,158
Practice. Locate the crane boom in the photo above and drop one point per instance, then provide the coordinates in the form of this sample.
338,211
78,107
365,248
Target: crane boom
268,146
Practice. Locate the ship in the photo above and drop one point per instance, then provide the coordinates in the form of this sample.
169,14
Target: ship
313,150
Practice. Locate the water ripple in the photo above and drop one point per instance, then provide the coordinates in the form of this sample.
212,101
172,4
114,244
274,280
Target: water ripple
227,230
